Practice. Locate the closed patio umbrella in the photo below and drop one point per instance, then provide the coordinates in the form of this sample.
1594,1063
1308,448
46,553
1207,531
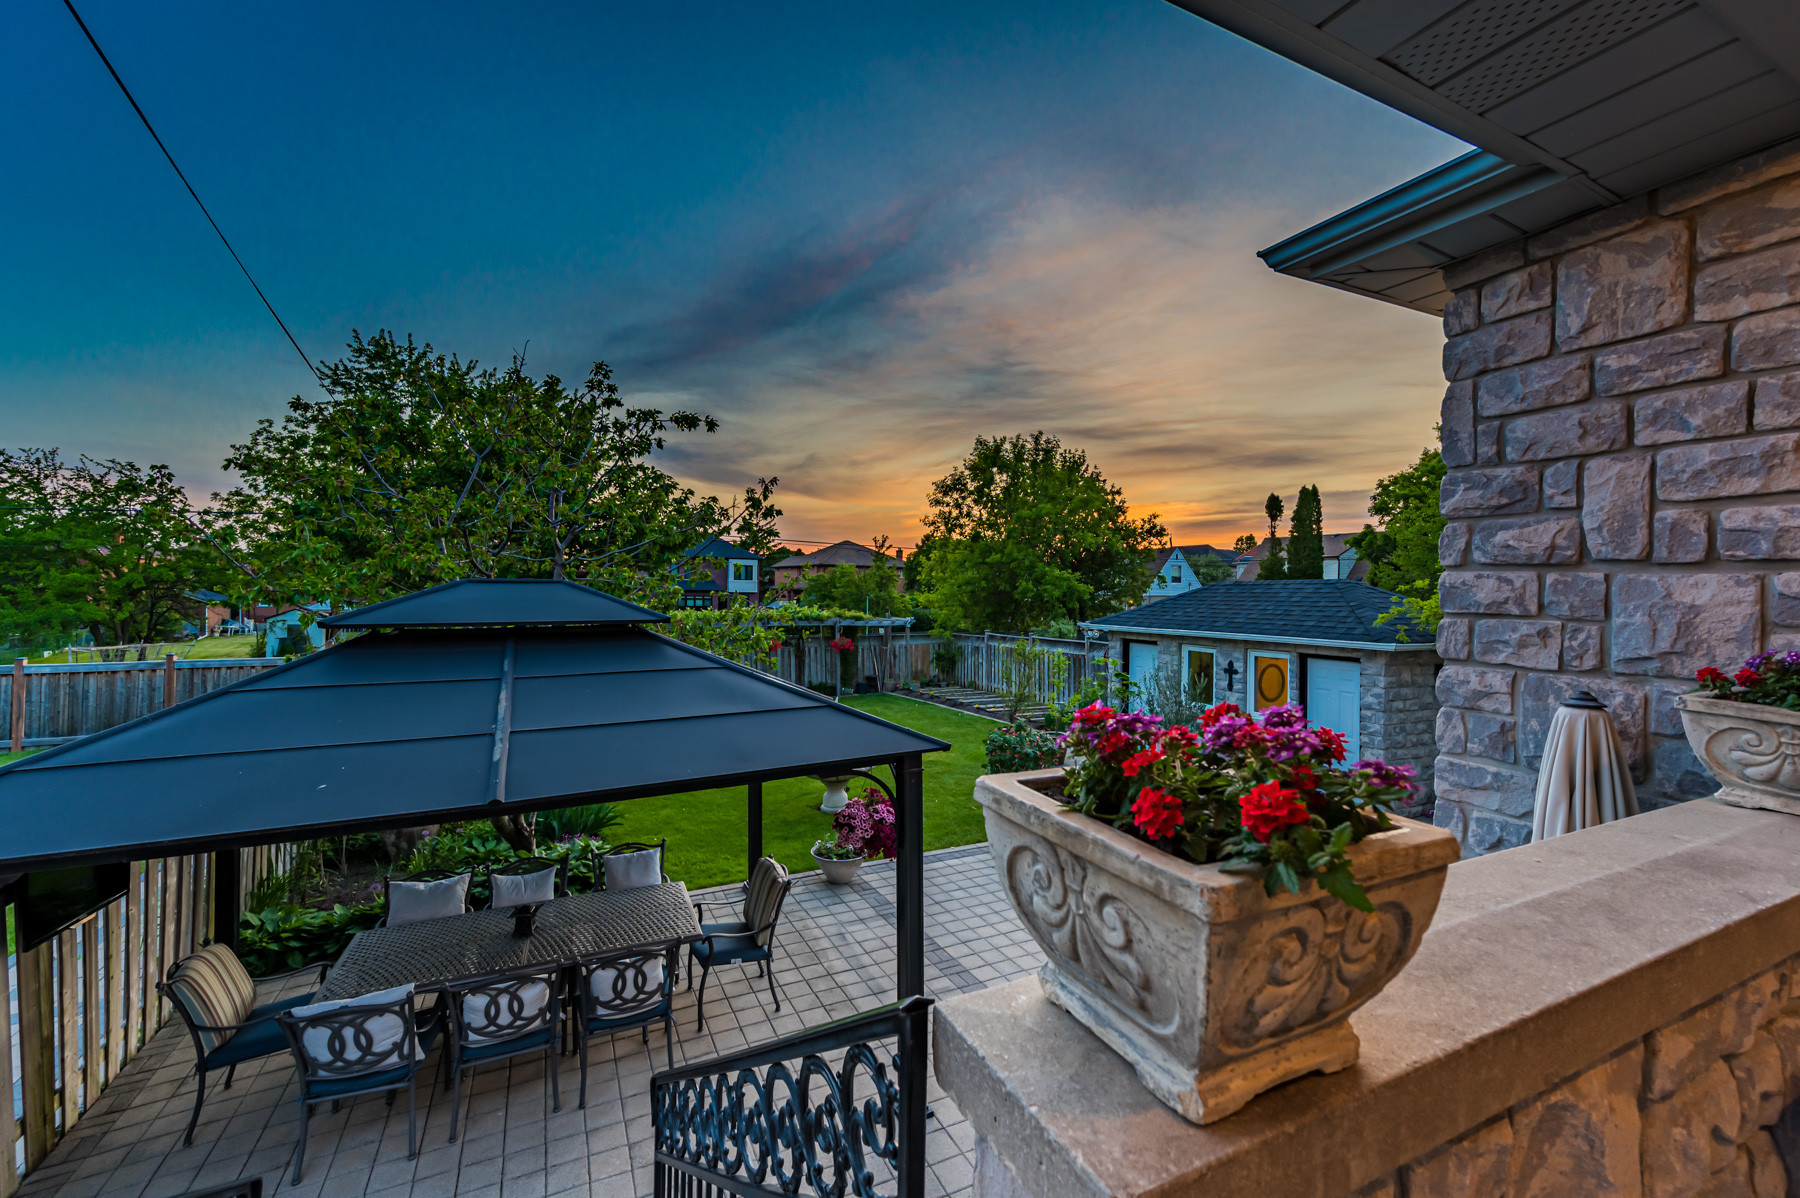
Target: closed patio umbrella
1582,780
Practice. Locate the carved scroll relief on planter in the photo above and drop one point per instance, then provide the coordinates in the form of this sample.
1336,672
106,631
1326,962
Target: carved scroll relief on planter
1767,755
1305,965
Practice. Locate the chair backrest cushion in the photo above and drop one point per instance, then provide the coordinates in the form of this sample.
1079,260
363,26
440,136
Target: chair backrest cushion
762,897
503,1010
627,871
627,986
512,890
409,902
346,1046
216,989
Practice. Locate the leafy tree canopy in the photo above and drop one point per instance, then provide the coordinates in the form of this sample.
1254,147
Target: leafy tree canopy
1026,531
875,591
1306,536
1245,542
1208,569
1402,547
1274,563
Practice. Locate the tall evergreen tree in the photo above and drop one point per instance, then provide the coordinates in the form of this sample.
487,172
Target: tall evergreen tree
1306,536
1274,564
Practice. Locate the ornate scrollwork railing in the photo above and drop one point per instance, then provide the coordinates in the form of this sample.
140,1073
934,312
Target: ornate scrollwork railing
779,1118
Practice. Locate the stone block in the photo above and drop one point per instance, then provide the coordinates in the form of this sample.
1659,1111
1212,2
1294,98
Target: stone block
1541,694
1689,1134
1766,340
1763,533
1533,540
1381,1187
1456,425
1530,644
1669,625
1500,491
1559,485
1615,509
1551,383
1489,736
1678,357
1679,535
1768,1170
1487,443
1786,607
1740,174
1585,230
1574,432
1492,833
1481,788
1479,1163
1452,736
1624,287
1753,283
1720,469
1476,688
1777,401
1679,1052
1453,544
1711,410
1581,1137
1453,638
1581,647
1489,593
1761,1085
1665,717
1516,293
1784,1029
1575,596
1678,773
1521,339
1463,313
1749,222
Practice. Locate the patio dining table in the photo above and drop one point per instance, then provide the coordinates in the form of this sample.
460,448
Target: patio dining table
432,952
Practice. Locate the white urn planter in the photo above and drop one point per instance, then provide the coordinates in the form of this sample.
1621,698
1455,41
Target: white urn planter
1751,748
1211,989
837,871
837,793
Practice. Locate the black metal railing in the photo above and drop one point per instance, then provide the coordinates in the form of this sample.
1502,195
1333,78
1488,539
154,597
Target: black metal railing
780,1118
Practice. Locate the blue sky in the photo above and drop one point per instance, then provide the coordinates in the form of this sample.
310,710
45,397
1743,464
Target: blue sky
858,234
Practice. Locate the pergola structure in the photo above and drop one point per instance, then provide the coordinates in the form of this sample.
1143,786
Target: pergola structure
468,700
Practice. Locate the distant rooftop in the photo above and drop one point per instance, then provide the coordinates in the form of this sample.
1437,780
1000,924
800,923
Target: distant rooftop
1319,611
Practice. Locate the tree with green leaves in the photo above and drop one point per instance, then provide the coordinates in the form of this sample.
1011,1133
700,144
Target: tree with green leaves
1245,543
874,591
96,544
1306,536
1027,530
1274,563
419,468
1403,551
1208,569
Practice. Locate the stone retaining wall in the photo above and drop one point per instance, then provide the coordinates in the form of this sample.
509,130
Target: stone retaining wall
1621,427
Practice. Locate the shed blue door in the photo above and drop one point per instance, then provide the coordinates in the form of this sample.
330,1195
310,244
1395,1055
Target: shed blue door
1334,700
1140,664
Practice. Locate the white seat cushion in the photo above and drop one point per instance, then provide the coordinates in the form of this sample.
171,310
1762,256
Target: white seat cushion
628,996
512,890
534,999
409,902
387,1031
627,871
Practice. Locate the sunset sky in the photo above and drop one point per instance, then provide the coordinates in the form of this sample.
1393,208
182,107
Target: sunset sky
860,235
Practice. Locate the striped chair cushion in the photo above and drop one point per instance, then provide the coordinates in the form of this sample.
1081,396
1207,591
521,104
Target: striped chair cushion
216,989
768,881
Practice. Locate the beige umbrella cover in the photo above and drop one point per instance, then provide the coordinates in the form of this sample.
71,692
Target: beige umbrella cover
1583,780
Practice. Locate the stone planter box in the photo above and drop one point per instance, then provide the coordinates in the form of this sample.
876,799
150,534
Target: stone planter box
1752,749
1212,990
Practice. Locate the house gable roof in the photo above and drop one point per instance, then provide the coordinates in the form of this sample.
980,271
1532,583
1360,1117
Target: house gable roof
844,553
719,547
1316,611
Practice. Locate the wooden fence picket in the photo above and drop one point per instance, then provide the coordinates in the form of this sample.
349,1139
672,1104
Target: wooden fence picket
37,1052
68,1028
11,1125
91,1052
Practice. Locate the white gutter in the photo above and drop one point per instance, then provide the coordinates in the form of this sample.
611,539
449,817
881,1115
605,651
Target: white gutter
1380,646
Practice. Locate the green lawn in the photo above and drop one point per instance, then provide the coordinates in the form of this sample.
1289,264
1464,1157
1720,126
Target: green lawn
210,647
707,842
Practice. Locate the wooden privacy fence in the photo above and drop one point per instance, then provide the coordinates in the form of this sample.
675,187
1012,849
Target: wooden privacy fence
86,999
54,703
992,661
901,657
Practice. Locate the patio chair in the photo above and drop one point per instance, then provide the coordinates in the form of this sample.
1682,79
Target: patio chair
428,894
741,941
632,864
527,880
619,991
499,1016
354,1046
216,998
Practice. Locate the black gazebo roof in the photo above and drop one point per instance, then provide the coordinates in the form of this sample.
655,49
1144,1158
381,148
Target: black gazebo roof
410,726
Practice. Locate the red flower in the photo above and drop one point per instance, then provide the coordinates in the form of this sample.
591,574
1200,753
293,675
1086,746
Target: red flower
1333,743
1137,761
1093,713
1303,778
1746,677
1157,813
1218,712
1710,674
1181,734
1269,808
1112,742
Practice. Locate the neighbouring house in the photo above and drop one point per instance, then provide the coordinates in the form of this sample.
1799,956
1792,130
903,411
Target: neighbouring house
790,573
1173,569
737,574
1306,641
283,633
1341,561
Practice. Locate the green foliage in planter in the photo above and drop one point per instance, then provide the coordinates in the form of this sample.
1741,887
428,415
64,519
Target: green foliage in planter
1021,747
289,936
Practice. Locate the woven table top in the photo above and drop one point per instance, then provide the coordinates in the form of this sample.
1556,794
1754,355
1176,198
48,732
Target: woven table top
431,952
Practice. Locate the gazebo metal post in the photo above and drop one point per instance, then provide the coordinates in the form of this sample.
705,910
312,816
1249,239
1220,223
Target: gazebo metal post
226,880
909,875
754,819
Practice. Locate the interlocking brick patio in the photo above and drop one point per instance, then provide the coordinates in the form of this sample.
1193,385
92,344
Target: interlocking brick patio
835,956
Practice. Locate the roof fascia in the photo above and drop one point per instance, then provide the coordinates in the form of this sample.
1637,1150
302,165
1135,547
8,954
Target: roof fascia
1774,29
1380,646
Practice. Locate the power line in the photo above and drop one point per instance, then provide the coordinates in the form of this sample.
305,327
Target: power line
190,187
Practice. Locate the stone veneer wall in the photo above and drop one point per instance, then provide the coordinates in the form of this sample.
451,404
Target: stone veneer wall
1622,428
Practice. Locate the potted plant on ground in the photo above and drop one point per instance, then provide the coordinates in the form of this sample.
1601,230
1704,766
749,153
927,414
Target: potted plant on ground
863,829
1745,729
1214,903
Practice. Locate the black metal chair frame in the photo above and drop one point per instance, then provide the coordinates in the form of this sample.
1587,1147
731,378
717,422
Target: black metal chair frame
531,865
623,1012
195,1027
347,1032
763,955
424,875
505,1020
630,846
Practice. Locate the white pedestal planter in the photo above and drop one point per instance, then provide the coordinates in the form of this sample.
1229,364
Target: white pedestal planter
1212,990
837,872
837,793
1752,749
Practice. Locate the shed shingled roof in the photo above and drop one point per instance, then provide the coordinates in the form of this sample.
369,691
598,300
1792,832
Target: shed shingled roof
1326,610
